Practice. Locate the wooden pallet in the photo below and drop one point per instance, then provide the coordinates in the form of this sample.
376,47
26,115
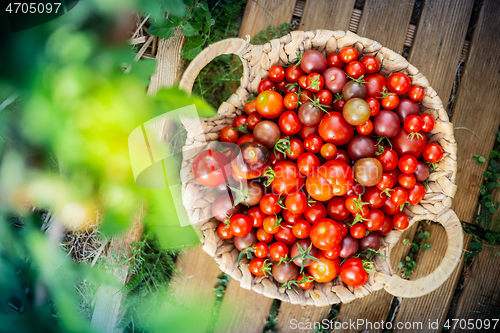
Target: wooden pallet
437,45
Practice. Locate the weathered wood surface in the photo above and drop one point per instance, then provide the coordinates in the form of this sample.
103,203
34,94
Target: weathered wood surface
386,22
326,14
475,115
263,13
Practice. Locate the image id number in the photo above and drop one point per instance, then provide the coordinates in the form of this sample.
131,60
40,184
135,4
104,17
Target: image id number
32,8
471,324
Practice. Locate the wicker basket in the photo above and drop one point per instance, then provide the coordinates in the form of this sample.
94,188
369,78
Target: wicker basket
257,59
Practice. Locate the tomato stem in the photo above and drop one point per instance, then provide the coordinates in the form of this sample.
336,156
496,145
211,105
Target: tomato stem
269,174
266,268
304,254
415,134
283,146
248,252
241,194
386,93
242,128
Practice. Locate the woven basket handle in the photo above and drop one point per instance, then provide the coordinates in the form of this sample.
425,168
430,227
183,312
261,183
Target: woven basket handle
405,288
226,46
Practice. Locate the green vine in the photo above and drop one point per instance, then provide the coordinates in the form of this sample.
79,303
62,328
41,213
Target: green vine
409,263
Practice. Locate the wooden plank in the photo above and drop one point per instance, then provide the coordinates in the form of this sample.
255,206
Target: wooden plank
477,298
242,310
262,13
433,306
326,14
438,42
292,313
376,307
475,114
194,286
386,22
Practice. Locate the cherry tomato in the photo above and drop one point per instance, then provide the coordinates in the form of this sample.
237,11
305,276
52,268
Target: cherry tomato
301,229
336,209
293,73
416,193
306,96
375,219
289,123
315,82
432,153
355,69
374,197
287,178
324,97
374,85
358,231
374,105
278,250
385,182
245,138
355,205
291,88
296,202
305,281
313,144
285,235
224,233
324,270
348,54
265,84
343,156
290,217
398,83
303,82
229,134
296,149
307,163
404,145
272,224
291,101
387,226
334,129
315,212
259,267
240,120
389,207
325,234
332,253
338,104
305,131
400,221
371,64
269,204
416,93
250,107
406,181
399,196
250,160
328,151
333,60
408,164
366,128
276,73
211,168
257,216
240,225
281,86
263,236
428,122
253,119
353,273
390,101
269,104
413,123
261,250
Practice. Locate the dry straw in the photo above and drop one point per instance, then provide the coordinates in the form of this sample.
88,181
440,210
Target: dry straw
257,59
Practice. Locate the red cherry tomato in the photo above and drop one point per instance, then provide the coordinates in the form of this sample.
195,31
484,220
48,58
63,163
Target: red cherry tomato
416,93
333,253
324,270
413,123
305,281
263,236
387,226
390,101
315,82
257,216
374,105
285,235
211,168
260,267
301,229
428,122
276,73
313,143
407,181
269,204
328,151
371,64
307,163
358,231
355,69
224,233
374,85
291,101
296,149
315,212
245,138
366,128
336,209
432,153
389,207
333,60
265,84
416,194
289,123
374,197
306,96
324,97
296,202
240,225
353,273
400,221
253,119
348,54
385,182
305,131
293,73
240,120
261,250
278,250
375,219
398,83
250,107
408,164
229,134
399,196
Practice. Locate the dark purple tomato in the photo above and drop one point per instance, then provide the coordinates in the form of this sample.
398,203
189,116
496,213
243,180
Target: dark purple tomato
313,62
304,244
372,241
223,207
356,111
285,272
267,133
386,123
353,89
403,145
244,242
361,146
422,172
250,160
309,114
406,108
335,79
348,246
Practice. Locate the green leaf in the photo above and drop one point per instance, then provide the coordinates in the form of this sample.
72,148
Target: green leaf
163,28
192,48
427,235
406,241
400,265
191,29
176,7
426,246
479,159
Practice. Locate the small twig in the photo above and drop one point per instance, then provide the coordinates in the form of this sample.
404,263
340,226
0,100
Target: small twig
465,128
265,9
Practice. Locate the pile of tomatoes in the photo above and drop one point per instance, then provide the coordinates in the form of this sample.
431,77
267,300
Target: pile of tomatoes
319,167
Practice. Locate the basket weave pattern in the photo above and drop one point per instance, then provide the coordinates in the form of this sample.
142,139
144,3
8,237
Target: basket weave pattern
256,60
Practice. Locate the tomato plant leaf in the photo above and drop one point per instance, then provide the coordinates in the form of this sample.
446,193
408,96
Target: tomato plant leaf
163,28
191,29
192,48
